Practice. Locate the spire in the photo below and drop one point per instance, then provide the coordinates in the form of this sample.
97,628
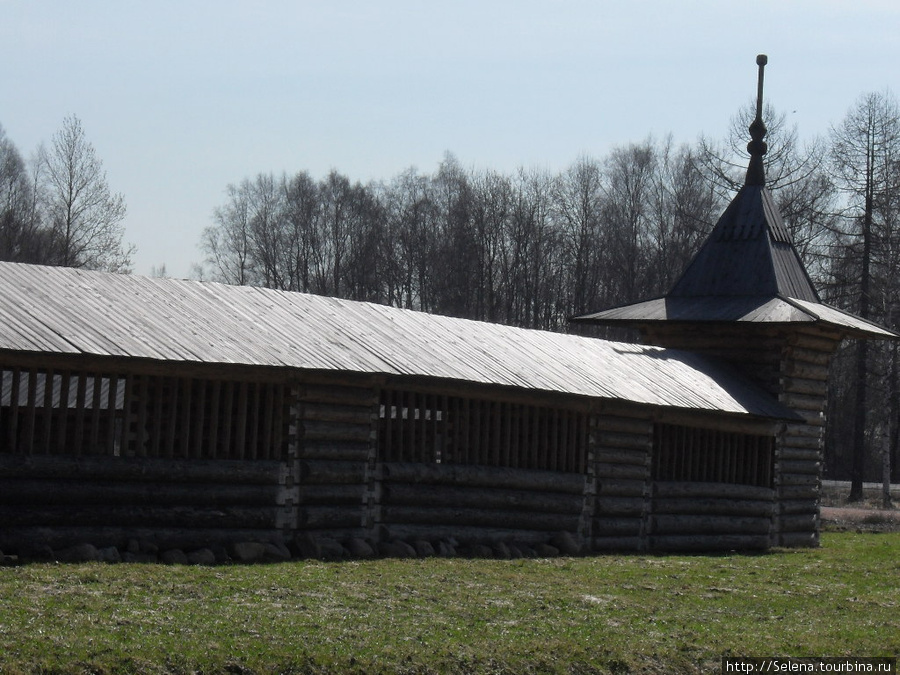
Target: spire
757,147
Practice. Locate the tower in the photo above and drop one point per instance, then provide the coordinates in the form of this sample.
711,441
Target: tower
747,299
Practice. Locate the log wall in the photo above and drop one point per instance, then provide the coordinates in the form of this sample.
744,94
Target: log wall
798,466
334,466
60,501
699,516
792,365
193,461
621,444
478,504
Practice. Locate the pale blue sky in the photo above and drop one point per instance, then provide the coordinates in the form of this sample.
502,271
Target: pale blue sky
182,98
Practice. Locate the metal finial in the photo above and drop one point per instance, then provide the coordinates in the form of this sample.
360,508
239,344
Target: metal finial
761,61
757,147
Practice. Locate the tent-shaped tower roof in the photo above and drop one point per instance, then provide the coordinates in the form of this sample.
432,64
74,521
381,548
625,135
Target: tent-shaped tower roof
748,269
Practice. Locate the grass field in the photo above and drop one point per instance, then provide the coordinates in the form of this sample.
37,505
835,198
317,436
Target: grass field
616,614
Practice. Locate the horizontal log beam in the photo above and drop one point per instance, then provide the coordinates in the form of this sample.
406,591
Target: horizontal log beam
794,431
464,535
627,425
336,394
312,431
709,506
801,466
619,506
798,492
707,524
56,492
802,522
605,470
800,385
240,517
710,542
347,451
807,371
802,442
28,539
613,487
324,472
609,439
797,479
483,476
616,527
818,343
349,414
606,455
406,494
141,469
493,518
327,517
800,456
662,489
803,402
798,506
351,493
814,356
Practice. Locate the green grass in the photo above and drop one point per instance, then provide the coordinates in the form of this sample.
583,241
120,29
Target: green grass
622,613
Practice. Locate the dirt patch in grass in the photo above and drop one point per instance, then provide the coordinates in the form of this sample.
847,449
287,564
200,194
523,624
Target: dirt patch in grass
866,515
860,519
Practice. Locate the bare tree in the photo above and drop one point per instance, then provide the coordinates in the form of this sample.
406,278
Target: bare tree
83,215
682,209
21,237
579,204
228,242
865,163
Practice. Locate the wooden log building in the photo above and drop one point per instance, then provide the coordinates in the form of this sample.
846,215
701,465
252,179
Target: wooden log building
195,414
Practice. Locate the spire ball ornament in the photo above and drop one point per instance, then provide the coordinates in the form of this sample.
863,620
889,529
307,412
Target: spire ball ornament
757,147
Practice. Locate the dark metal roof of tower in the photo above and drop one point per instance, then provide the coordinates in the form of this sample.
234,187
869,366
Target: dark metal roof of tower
748,268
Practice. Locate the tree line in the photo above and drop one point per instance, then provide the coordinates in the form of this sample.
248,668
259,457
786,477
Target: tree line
527,249
57,208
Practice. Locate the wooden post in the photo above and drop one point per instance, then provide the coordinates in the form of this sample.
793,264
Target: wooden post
125,448
184,426
241,434
47,433
268,417
228,422
14,410
63,413
80,409
172,412
96,403
112,400
215,417
31,411
196,450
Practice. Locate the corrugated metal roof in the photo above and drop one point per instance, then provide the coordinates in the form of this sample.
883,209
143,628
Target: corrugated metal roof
67,311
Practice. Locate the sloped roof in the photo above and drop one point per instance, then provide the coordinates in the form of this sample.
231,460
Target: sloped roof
747,270
68,311
746,309
749,252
